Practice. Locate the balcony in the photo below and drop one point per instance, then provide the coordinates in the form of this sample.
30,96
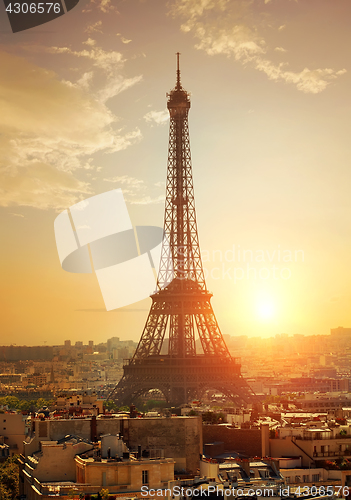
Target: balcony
320,437
327,454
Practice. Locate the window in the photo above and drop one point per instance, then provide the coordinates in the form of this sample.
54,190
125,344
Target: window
145,477
315,478
42,429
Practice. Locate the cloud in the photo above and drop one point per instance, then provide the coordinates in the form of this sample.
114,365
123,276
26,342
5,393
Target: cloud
106,81
134,190
100,58
48,132
41,186
123,40
126,179
90,42
115,86
240,42
158,117
229,28
148,200
308,81
269,1
96,27
104,6
192,10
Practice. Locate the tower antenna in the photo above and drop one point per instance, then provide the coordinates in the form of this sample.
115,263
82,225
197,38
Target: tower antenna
178,85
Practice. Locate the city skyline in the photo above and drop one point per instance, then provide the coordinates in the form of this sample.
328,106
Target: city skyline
84,111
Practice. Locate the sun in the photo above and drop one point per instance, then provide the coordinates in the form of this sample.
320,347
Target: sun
266,308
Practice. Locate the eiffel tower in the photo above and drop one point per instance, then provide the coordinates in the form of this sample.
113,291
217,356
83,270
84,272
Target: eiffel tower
181,304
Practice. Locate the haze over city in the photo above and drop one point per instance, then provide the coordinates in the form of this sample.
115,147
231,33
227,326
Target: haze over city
84,111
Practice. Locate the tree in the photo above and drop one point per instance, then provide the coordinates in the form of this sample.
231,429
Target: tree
192,413
110,405
14,403
104,493
9,479
213,417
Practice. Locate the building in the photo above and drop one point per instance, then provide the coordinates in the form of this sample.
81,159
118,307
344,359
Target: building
4,450
323,402
36,379
82,467
313,444
243,472
341,332
25,353
79,403
118,470
179,437
13,431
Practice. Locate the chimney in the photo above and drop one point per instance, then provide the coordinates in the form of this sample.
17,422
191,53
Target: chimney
245,465
265,440
93,429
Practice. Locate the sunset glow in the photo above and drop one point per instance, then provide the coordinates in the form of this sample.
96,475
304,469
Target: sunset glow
84,112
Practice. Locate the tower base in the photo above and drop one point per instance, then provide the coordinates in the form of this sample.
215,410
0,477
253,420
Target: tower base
182,380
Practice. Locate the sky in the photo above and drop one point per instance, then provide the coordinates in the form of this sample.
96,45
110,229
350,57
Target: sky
83,111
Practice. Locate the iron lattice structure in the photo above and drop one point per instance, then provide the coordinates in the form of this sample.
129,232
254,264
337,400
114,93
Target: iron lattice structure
181,305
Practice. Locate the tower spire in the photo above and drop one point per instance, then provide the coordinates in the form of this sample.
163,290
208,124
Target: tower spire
178,84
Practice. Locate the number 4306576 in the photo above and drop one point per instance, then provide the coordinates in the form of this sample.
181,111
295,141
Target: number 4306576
33,8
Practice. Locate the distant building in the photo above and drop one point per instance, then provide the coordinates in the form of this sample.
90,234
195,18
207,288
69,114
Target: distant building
323,403
36,379
85,403
340,332
10,378
25,353
113,343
